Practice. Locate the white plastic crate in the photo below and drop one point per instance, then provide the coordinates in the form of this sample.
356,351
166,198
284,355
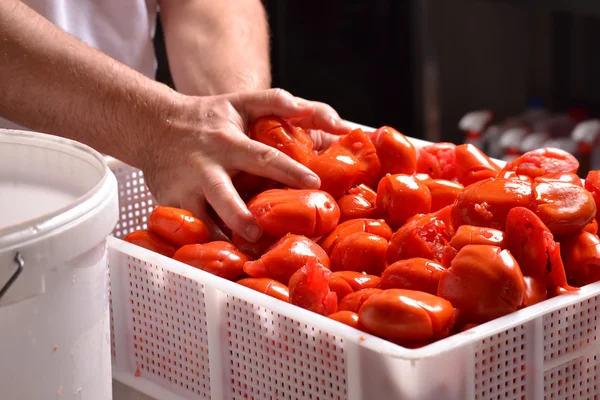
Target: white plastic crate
181,333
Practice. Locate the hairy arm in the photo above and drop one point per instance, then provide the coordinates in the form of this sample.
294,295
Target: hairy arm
52,82
216,47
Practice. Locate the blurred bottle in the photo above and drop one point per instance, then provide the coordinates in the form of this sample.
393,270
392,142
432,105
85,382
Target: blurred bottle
561,125
586,135
534,140
565,143
474,124
510,142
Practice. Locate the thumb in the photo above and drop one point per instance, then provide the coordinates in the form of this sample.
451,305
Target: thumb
273,102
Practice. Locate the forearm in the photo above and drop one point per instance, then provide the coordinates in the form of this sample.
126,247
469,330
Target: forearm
52,82
216,47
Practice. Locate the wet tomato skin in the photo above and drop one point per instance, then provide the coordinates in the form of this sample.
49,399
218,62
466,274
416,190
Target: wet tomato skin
547,160
443,192
532,244
565,208
535,291
353,301
396,153
309,213
472,165
375,226
360,252
219,258
438,160
337,169
404,315
285,257
256,249
150,241
177,226
581,257
399,197
568,177
487,203
414,274
357,280
348,318
283,136
483,282
424,236
592,227
309,288
339,286
359,202
267,286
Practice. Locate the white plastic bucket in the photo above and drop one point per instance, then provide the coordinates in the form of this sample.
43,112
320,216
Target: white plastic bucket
58,204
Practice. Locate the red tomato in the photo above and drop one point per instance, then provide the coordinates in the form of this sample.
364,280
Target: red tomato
483,282
396,153
438,161
375,226
472,165
512,175
309,288
565,208
407,315
337,169
592,227
414,274
445,215
487,203
257,249
592,185
280,134
267,286
348,318
357,280
303,212
533,246
399,197
581,257
360,252
543,161
353,301
178,227
535,291
285,257
150,241
469,234
248,185
443,192
568,177
360,202
424,236
339,286
219,258
359,144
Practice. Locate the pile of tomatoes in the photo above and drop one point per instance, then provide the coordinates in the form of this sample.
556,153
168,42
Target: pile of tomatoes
409,245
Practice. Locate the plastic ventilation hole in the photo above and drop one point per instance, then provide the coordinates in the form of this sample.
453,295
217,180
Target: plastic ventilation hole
170,341
275,357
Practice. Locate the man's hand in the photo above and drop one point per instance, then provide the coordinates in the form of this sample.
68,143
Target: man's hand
192,164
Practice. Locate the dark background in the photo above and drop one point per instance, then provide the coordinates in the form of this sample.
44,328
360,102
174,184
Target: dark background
366,58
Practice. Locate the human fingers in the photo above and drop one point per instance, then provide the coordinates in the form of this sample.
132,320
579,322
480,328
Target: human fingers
273,102
225,200
262,160
197,206
322,140
324,118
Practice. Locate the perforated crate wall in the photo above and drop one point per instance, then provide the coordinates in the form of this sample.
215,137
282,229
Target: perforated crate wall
266,355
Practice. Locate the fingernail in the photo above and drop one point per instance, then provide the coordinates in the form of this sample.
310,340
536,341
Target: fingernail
311,181
253,232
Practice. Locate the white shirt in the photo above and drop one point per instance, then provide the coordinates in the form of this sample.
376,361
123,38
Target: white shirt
123,29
